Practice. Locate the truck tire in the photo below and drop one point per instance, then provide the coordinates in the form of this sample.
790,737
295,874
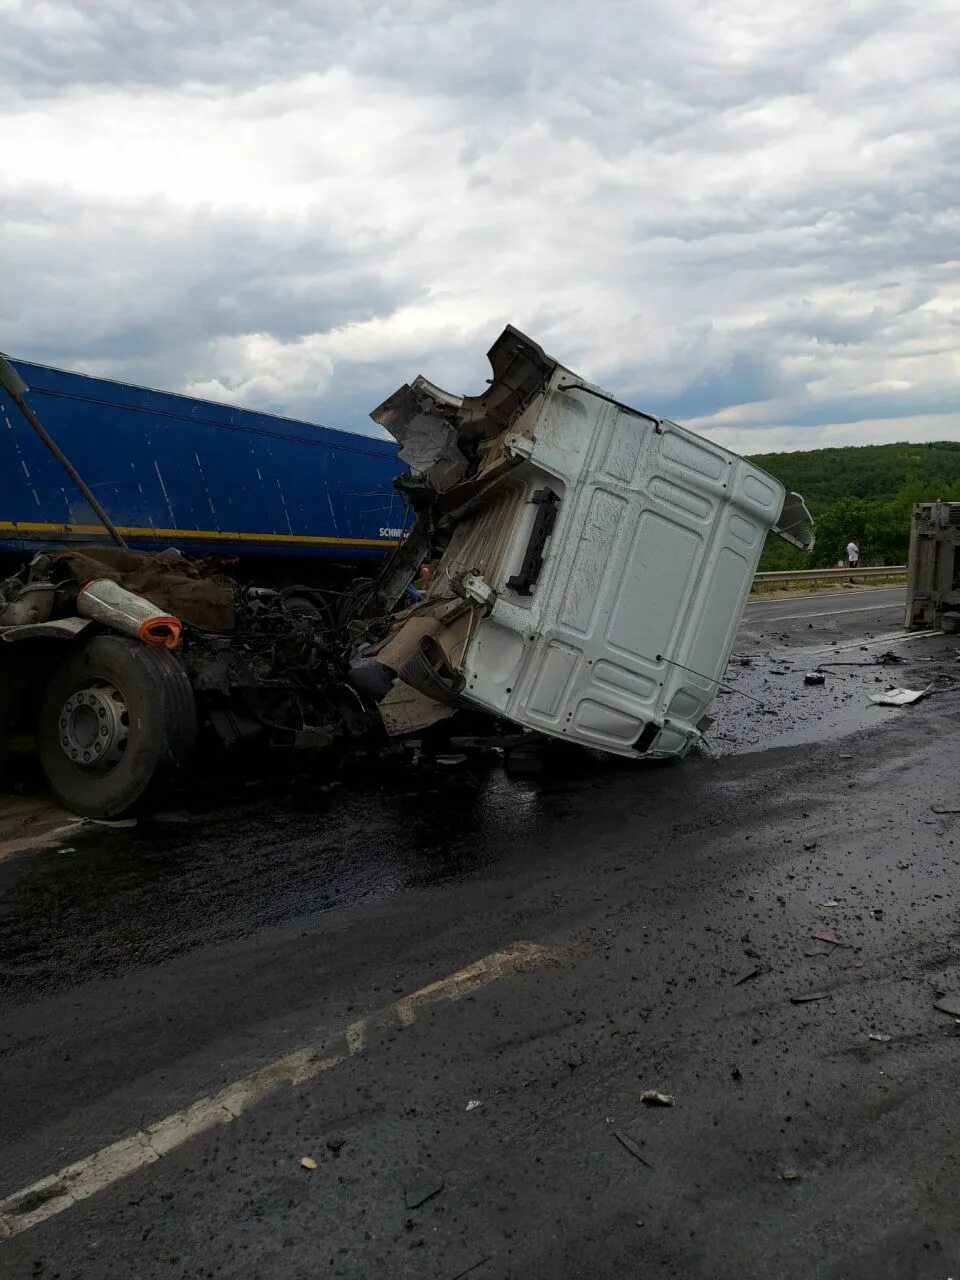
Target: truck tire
117,724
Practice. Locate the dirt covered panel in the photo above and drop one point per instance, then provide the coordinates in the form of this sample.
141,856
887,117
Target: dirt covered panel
191,590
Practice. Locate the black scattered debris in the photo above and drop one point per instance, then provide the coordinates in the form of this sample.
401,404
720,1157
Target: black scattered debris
949,1004
814,677
336,1145
810,845
414,1197
809,996
631,1146
745,977
937,808
736,1074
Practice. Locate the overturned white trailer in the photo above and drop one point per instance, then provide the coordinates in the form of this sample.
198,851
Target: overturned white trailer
597,559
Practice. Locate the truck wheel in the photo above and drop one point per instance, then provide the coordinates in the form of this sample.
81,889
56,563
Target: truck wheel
117,722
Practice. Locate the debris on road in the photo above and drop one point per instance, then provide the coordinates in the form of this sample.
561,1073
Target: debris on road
824,935
899,697
472,1267
814,677
936,808
880,1036
949,1004
888,659
810,845
809,996
745,977
629,1145
651,1098
415,1196
308,1162
789,1175
473,1104
819,949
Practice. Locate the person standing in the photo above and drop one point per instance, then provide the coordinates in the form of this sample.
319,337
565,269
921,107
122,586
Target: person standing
853,553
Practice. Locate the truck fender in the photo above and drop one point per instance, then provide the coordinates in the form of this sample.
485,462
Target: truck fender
57,629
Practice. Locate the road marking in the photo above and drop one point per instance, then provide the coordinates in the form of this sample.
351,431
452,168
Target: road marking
849,593
51,1195
892,637
830,613
42,838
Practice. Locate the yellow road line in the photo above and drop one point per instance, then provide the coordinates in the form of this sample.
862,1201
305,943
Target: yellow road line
51,1195
21,527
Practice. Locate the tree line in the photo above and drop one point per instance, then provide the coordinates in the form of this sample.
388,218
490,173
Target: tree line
866,493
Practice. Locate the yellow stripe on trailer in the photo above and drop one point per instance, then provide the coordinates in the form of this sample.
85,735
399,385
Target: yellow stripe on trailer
25,528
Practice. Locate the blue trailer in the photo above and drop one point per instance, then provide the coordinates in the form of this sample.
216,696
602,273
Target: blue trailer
197,475
303,515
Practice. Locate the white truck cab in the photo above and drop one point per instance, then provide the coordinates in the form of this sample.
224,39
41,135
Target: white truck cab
597,559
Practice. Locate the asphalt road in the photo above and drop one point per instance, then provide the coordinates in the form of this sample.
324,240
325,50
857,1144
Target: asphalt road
881,603
486,974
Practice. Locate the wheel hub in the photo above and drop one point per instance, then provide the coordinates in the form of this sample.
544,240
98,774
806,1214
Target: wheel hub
94,725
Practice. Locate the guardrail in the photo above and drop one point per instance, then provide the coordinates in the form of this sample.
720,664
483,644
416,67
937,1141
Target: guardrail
809,575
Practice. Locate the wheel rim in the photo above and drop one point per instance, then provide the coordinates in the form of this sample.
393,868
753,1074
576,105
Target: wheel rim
94,726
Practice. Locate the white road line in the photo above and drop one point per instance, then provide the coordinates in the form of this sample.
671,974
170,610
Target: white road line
51,1195
892,637
830,613
757,603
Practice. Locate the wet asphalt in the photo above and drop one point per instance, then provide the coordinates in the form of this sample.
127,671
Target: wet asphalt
142,969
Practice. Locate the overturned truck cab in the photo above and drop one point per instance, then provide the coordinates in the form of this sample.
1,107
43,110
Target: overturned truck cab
594,560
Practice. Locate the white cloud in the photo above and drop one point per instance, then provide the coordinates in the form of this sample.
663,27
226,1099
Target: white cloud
744,218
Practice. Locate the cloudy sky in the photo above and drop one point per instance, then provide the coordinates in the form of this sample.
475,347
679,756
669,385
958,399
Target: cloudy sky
740,215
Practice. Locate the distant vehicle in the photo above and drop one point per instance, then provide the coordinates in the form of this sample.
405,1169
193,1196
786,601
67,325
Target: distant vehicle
288,499
933,567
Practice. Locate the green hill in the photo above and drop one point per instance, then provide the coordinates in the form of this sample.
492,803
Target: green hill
866,492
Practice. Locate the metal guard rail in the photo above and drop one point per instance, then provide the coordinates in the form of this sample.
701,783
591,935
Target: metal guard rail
808,575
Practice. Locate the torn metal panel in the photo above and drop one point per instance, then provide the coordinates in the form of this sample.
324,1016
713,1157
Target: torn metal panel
421,417
405,710
795,524
899,697
442,435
